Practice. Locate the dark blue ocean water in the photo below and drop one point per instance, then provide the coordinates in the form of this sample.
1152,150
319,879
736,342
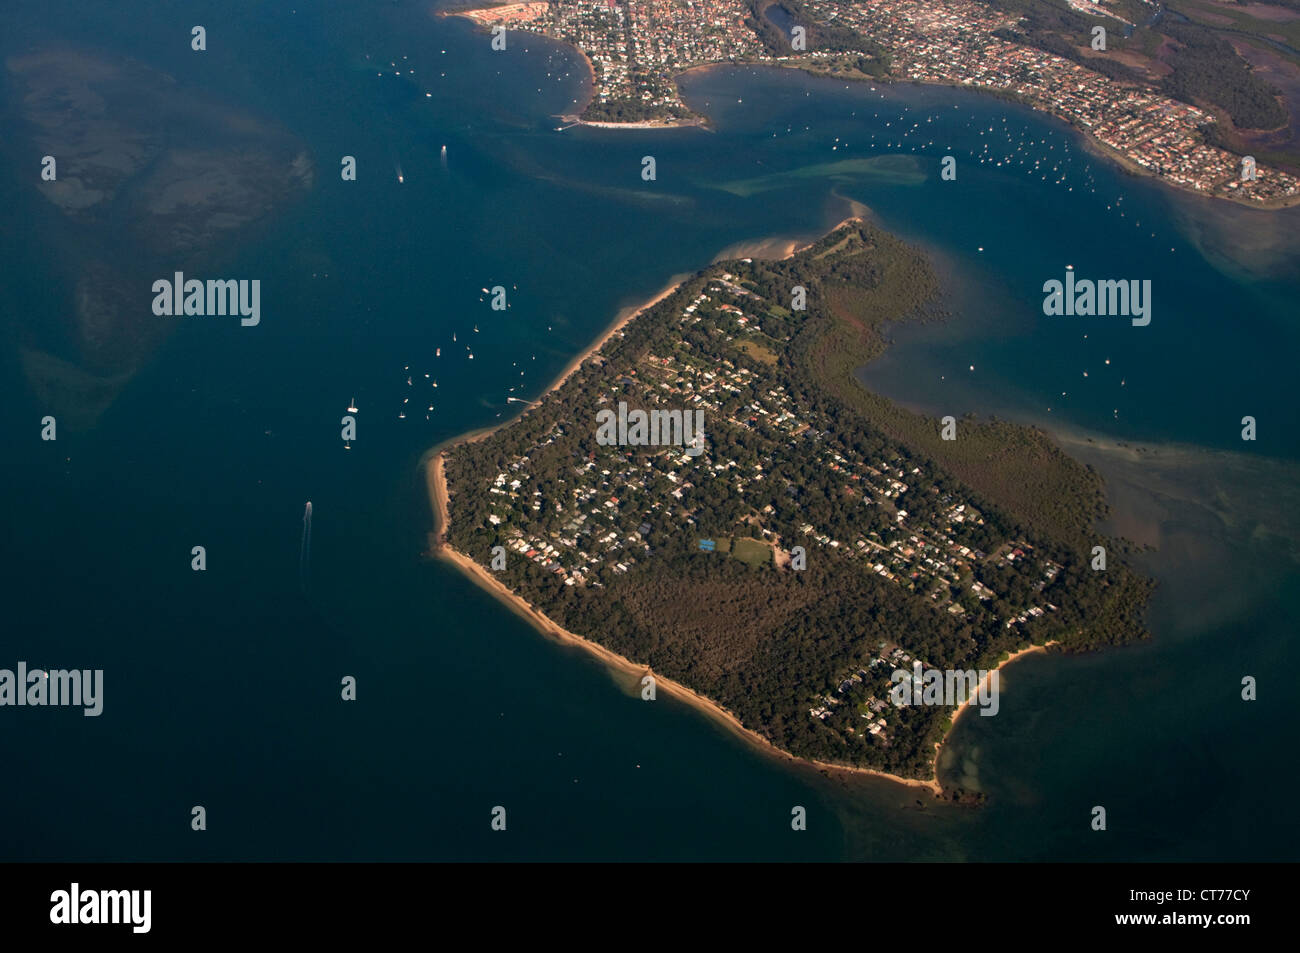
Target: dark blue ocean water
222,687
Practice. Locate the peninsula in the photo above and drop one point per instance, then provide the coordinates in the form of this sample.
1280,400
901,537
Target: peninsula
636,50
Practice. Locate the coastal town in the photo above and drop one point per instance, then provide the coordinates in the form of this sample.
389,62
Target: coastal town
637,49
586,515
953,42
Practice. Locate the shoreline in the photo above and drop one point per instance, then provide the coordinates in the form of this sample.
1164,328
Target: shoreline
1018,654
440,548
625,316
698,122
1097,147
479,17
436,478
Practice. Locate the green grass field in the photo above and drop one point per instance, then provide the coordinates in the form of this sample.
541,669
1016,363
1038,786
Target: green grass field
757,350
752,551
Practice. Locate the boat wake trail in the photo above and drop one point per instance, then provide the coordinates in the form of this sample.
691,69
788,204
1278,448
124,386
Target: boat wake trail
304,556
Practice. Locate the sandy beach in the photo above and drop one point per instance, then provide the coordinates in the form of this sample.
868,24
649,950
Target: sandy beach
789,247
620,321
642,124
1031,650
435,476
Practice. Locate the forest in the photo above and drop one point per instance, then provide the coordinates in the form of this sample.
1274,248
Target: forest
1207,69
631,110
821,37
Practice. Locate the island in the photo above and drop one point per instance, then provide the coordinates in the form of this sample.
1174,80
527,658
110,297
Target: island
779,563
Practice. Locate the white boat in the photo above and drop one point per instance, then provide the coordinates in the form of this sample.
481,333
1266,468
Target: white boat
352,406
